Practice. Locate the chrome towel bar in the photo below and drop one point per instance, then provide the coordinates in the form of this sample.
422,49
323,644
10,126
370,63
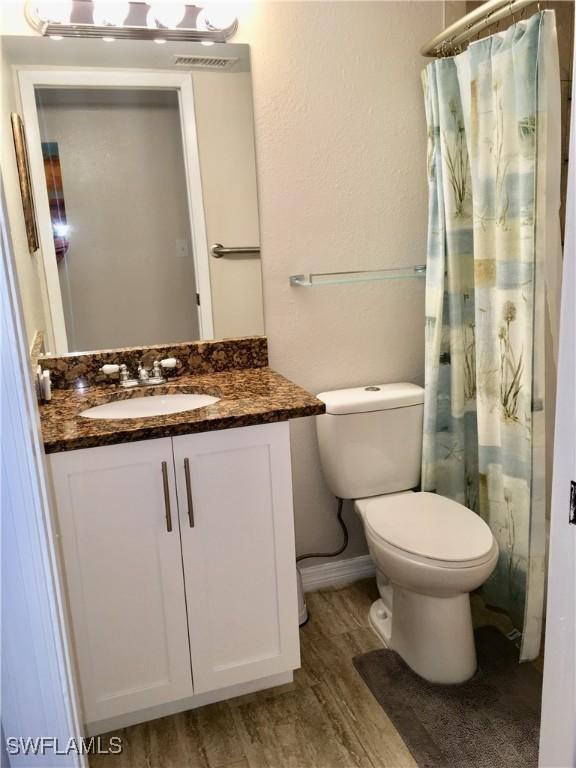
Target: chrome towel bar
218,251
357,276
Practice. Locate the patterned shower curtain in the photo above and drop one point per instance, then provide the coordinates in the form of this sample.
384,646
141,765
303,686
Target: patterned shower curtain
493,246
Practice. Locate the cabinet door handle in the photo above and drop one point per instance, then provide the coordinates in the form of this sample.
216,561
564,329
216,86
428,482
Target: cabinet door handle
166,496
189,492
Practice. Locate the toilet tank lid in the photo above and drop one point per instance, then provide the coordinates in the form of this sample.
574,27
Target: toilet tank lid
374,397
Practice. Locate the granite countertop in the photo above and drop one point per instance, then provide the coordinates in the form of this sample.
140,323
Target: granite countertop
248,396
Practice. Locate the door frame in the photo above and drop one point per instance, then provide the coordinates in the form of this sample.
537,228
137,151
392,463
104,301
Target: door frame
557,734
70,77
38,681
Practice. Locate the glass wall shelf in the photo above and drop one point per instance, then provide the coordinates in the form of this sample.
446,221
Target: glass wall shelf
357,276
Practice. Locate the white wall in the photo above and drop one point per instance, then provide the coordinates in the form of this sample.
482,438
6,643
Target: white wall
341,153
29,267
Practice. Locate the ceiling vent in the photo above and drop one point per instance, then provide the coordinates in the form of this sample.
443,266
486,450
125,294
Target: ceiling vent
205,62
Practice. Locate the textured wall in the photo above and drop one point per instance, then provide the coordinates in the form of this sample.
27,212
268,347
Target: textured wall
28,267
341,154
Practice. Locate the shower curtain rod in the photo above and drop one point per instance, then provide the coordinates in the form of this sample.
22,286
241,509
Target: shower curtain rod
448,42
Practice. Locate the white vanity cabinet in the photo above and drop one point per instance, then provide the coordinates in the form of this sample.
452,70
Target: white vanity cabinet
123,573
236,522
165,616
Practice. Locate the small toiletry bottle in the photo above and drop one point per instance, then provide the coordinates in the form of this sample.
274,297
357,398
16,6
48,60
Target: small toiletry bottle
46,386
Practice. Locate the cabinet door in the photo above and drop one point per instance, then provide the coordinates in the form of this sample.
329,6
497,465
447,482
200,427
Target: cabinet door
124,575
237,528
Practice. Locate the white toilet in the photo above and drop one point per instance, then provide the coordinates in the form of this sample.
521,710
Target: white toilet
430,552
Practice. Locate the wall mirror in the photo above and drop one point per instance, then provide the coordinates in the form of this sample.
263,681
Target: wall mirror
142,160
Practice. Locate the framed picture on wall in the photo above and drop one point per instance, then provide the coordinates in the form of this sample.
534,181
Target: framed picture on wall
24,179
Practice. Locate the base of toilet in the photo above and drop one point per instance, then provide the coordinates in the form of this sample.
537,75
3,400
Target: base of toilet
380,618
434,635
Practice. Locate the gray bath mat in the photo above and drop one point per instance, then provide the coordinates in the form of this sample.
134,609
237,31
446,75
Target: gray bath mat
492,721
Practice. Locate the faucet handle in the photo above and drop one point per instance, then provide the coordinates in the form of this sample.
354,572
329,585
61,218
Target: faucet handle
123,373
110,370
157,370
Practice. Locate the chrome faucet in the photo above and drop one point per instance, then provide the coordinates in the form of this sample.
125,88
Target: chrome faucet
145,377
125,379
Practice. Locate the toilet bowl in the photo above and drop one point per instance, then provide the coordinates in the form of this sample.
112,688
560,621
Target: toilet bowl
430,552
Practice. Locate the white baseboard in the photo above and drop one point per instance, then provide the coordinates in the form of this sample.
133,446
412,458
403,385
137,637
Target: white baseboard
337,573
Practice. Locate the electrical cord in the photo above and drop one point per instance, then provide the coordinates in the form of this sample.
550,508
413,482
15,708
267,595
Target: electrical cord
344,543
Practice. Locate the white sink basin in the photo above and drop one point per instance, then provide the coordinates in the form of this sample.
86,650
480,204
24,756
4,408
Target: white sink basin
151,405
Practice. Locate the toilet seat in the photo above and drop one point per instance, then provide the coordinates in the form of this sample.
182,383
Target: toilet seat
428,528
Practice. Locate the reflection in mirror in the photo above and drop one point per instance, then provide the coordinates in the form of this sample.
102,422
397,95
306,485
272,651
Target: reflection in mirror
136,173
116,185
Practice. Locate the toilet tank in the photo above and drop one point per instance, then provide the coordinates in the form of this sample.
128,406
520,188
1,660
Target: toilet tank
370,439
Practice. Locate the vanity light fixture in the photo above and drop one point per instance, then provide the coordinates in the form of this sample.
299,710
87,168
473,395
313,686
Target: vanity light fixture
157,20
107,13
166,13
216,16
55,11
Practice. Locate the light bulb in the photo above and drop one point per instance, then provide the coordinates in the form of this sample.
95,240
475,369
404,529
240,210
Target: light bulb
216,16
109,13
167,13
202,21
57,11
61,230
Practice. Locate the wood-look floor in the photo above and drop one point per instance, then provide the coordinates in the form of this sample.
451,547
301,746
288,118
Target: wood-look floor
326,718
